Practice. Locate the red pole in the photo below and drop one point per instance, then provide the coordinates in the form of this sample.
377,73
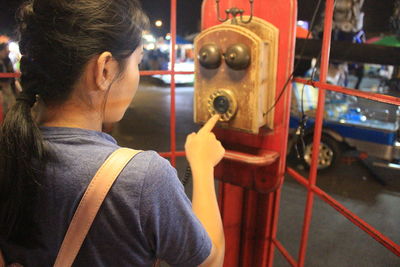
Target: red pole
163,72
172,118
340,89
378,236
9,75
284,253
326,43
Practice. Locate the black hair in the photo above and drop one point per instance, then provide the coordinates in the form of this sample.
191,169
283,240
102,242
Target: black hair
57,40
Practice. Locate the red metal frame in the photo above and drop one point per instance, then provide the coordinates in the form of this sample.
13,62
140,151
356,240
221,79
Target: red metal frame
273,199
310,183
272,211
249,211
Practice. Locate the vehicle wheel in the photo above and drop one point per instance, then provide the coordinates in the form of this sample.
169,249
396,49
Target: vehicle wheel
329,154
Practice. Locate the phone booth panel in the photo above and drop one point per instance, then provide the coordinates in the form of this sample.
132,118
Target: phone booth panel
242,86
255,133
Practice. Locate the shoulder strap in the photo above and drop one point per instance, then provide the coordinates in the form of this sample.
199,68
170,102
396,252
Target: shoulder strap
90,204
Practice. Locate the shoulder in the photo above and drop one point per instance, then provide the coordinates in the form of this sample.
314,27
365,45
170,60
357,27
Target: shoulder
149,172
150,163
157,172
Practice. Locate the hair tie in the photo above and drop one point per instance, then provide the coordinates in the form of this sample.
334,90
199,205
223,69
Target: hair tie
29,99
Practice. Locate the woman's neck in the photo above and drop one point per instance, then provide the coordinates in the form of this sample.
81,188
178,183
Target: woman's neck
69,115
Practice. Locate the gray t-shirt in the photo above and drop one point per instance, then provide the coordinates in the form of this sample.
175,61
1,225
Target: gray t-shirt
146,215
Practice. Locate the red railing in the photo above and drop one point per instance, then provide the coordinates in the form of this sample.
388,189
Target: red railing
310,183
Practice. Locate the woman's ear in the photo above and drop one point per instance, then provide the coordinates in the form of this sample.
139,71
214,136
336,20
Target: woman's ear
106,69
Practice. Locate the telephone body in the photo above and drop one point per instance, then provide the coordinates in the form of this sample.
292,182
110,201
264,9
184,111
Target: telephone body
235,75
243,72
237,72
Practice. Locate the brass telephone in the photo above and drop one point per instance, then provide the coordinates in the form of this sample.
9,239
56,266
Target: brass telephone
235,74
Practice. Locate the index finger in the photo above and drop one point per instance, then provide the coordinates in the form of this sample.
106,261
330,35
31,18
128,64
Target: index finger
210,124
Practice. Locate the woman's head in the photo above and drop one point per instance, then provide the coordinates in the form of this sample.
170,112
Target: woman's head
60,37
59,41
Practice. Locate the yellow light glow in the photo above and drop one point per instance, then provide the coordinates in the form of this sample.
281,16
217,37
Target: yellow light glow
158,23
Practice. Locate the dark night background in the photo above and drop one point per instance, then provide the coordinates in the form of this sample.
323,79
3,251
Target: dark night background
376,18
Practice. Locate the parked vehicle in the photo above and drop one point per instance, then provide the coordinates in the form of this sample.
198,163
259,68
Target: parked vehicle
349,123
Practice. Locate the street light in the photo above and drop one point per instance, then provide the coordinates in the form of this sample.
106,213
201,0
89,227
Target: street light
158,23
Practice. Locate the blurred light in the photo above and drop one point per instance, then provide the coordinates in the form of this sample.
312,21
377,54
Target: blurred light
303,24
158,23
150,46
13,47
168,36
149,38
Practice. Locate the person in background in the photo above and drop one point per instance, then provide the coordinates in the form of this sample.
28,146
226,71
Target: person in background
79,66
9,87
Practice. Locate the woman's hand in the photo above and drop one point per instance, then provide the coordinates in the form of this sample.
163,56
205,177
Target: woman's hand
202,148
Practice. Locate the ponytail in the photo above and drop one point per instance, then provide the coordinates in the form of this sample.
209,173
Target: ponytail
22,156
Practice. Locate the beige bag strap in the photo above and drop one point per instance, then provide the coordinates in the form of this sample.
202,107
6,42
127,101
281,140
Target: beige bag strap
90,204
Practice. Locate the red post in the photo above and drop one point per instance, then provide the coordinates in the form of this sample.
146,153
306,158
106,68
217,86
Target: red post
173,57
318,129
248,200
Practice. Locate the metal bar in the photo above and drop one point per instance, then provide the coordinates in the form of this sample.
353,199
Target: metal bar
371,96
169,154
142,73
284,252
370,230
263,159
163,72
318,129
249,224
273,225
173,52
233,202
271,216
9,75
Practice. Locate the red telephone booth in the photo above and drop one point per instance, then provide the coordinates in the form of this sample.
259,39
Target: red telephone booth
254,166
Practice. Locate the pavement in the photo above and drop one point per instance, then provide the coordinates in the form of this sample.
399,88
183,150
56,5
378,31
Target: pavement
333,240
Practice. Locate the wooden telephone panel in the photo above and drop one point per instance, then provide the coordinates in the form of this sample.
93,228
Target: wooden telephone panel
235,75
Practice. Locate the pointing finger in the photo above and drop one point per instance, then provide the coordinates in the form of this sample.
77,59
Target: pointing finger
210,124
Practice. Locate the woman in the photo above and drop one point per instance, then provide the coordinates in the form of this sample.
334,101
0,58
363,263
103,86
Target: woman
80,66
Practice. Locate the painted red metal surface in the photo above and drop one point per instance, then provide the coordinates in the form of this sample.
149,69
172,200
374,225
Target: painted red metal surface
385,241
142,73
263,159
169,154
163,72
284,252
237,196
367,95
173,60
9,75
317,130
248,208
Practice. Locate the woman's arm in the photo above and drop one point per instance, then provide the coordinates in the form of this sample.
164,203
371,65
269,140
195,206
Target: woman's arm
203,152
